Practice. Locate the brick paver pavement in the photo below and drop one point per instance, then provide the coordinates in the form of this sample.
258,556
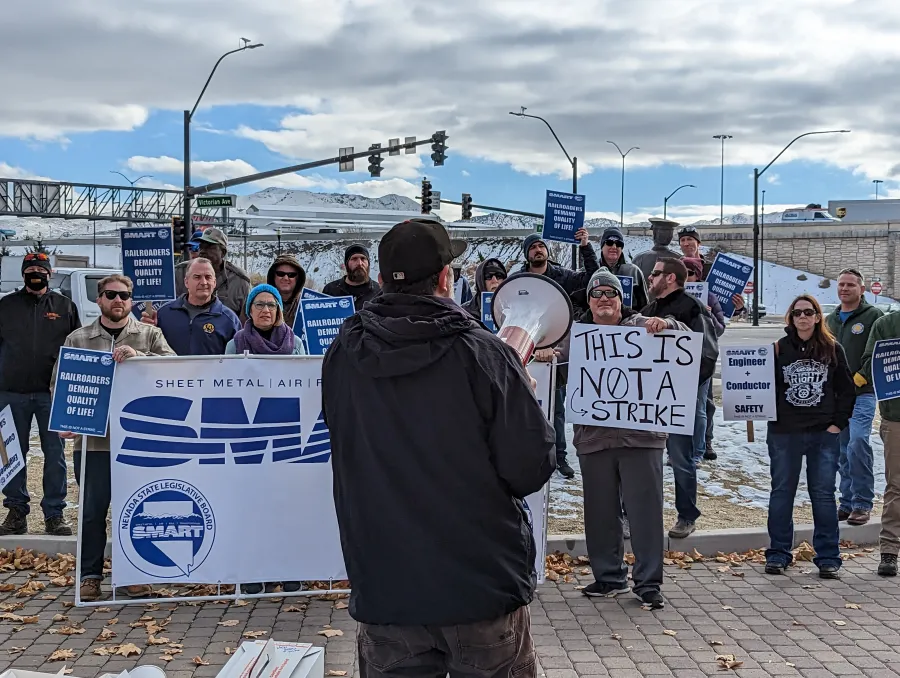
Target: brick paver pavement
795,625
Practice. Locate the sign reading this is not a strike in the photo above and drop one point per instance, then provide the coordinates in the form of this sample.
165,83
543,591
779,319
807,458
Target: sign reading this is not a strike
563,215
322,320
84,380
148,259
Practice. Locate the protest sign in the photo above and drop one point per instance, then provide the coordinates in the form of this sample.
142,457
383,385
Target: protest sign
748,383
886,369
10,449
322,319
563,215
138,308
312,294
627,289
624,377
148,259
727,277
81,392
697,290
487,317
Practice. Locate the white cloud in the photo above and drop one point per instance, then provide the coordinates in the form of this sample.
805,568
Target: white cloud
12,172
465,173
773,179
375,188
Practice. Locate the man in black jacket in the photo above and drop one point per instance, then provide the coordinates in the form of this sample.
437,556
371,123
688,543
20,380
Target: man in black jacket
34,324
356,283
436,439
537,260
671,301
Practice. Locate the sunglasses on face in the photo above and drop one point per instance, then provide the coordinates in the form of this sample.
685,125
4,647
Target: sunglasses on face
808,312
653,274
690,230
496,276
691,274
613,243
265,305
598,294
286,274
112,294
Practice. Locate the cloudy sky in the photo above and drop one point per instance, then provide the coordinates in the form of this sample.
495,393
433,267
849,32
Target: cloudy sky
92,86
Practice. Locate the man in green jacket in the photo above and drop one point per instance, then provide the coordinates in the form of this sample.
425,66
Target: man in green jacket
886,327
851,323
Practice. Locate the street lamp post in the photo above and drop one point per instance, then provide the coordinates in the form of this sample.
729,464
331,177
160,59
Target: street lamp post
622,199
132,182
762,246
666,199
722,137
572,161
757,173
876,182
188,116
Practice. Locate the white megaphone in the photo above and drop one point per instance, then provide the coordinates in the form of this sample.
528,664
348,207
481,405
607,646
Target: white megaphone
532,312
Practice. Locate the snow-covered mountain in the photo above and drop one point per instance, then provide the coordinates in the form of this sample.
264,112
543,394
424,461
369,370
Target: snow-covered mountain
291,198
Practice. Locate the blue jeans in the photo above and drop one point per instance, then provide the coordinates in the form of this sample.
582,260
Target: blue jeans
786,452
97,488
700,420
26,406
559,421
684,468
856,465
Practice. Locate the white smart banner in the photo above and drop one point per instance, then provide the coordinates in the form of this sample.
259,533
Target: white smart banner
221,472
624,377
748,383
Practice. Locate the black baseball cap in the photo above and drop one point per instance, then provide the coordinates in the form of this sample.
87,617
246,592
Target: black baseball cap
416,249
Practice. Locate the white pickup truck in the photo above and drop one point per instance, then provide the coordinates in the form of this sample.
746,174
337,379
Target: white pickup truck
80,285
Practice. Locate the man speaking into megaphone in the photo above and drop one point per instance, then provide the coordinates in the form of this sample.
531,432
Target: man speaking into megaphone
436,440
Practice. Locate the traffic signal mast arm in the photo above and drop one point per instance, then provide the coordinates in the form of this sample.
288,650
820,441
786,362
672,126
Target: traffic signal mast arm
502,210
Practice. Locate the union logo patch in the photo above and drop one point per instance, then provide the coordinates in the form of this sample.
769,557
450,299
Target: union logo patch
858,328
209,328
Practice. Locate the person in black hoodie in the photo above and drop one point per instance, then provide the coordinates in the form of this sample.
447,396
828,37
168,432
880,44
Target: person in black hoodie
356,283
488,276
34,324
671,301
814,402
436,440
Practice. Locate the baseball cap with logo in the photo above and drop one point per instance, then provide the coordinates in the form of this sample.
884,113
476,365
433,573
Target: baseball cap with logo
214,236
416,249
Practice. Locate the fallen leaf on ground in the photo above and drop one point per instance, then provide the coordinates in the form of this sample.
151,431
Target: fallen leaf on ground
293,608
127,649
114,620
6,588
16,629
16,649
579,588
9,616
146,618
727,607
228,650
153,640
552,576
796,623
852,606
724,568
166,657
60,655
330,633
106,634
103,651
104,609
30,620
30,588
60,618
66,671
176,646
670,633
11,607
616,636
65,580
49,596
152,607
336,673
728,661
715,643
341,606
199,661
253,634
838,622
790,665
738,574
68,630
240,603
136,624
229,622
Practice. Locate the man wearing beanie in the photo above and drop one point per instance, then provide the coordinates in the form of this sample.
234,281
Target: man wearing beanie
34,324
356,283
612,256
488,276
689,241
436,433
537,260
621,467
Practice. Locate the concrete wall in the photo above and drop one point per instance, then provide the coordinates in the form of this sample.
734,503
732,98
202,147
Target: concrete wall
820,249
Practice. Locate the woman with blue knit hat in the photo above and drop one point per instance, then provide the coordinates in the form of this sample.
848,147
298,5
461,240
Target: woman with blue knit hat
264,331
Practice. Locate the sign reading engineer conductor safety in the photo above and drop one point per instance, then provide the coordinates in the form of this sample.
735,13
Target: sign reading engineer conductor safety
81,392
148,259
322,320
748,383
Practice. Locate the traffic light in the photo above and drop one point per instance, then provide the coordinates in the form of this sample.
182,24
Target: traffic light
426,196
439,147
180,236
466,206
375,161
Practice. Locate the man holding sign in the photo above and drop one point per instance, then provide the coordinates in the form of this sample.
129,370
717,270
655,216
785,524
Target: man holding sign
618,463
116,331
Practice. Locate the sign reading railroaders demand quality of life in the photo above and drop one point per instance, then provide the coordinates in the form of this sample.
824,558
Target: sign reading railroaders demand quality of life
886,369
81,391
563,215
627,290
727,277
148,259
322,320
624,377
748,383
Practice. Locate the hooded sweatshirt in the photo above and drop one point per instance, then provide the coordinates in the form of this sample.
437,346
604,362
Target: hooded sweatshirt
291,303
639,296
474,306
853,335
436,439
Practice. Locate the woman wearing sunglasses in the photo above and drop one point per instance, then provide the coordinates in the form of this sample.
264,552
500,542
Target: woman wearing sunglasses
815,396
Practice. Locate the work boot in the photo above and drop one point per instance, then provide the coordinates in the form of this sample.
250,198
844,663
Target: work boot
57,526
15,523
90,589
563,467
598,590
653,600
710,454
858,517
888,566
829,572
843,514
683,528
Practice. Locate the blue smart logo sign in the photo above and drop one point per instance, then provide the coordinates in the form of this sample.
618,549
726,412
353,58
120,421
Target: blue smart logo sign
167,529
